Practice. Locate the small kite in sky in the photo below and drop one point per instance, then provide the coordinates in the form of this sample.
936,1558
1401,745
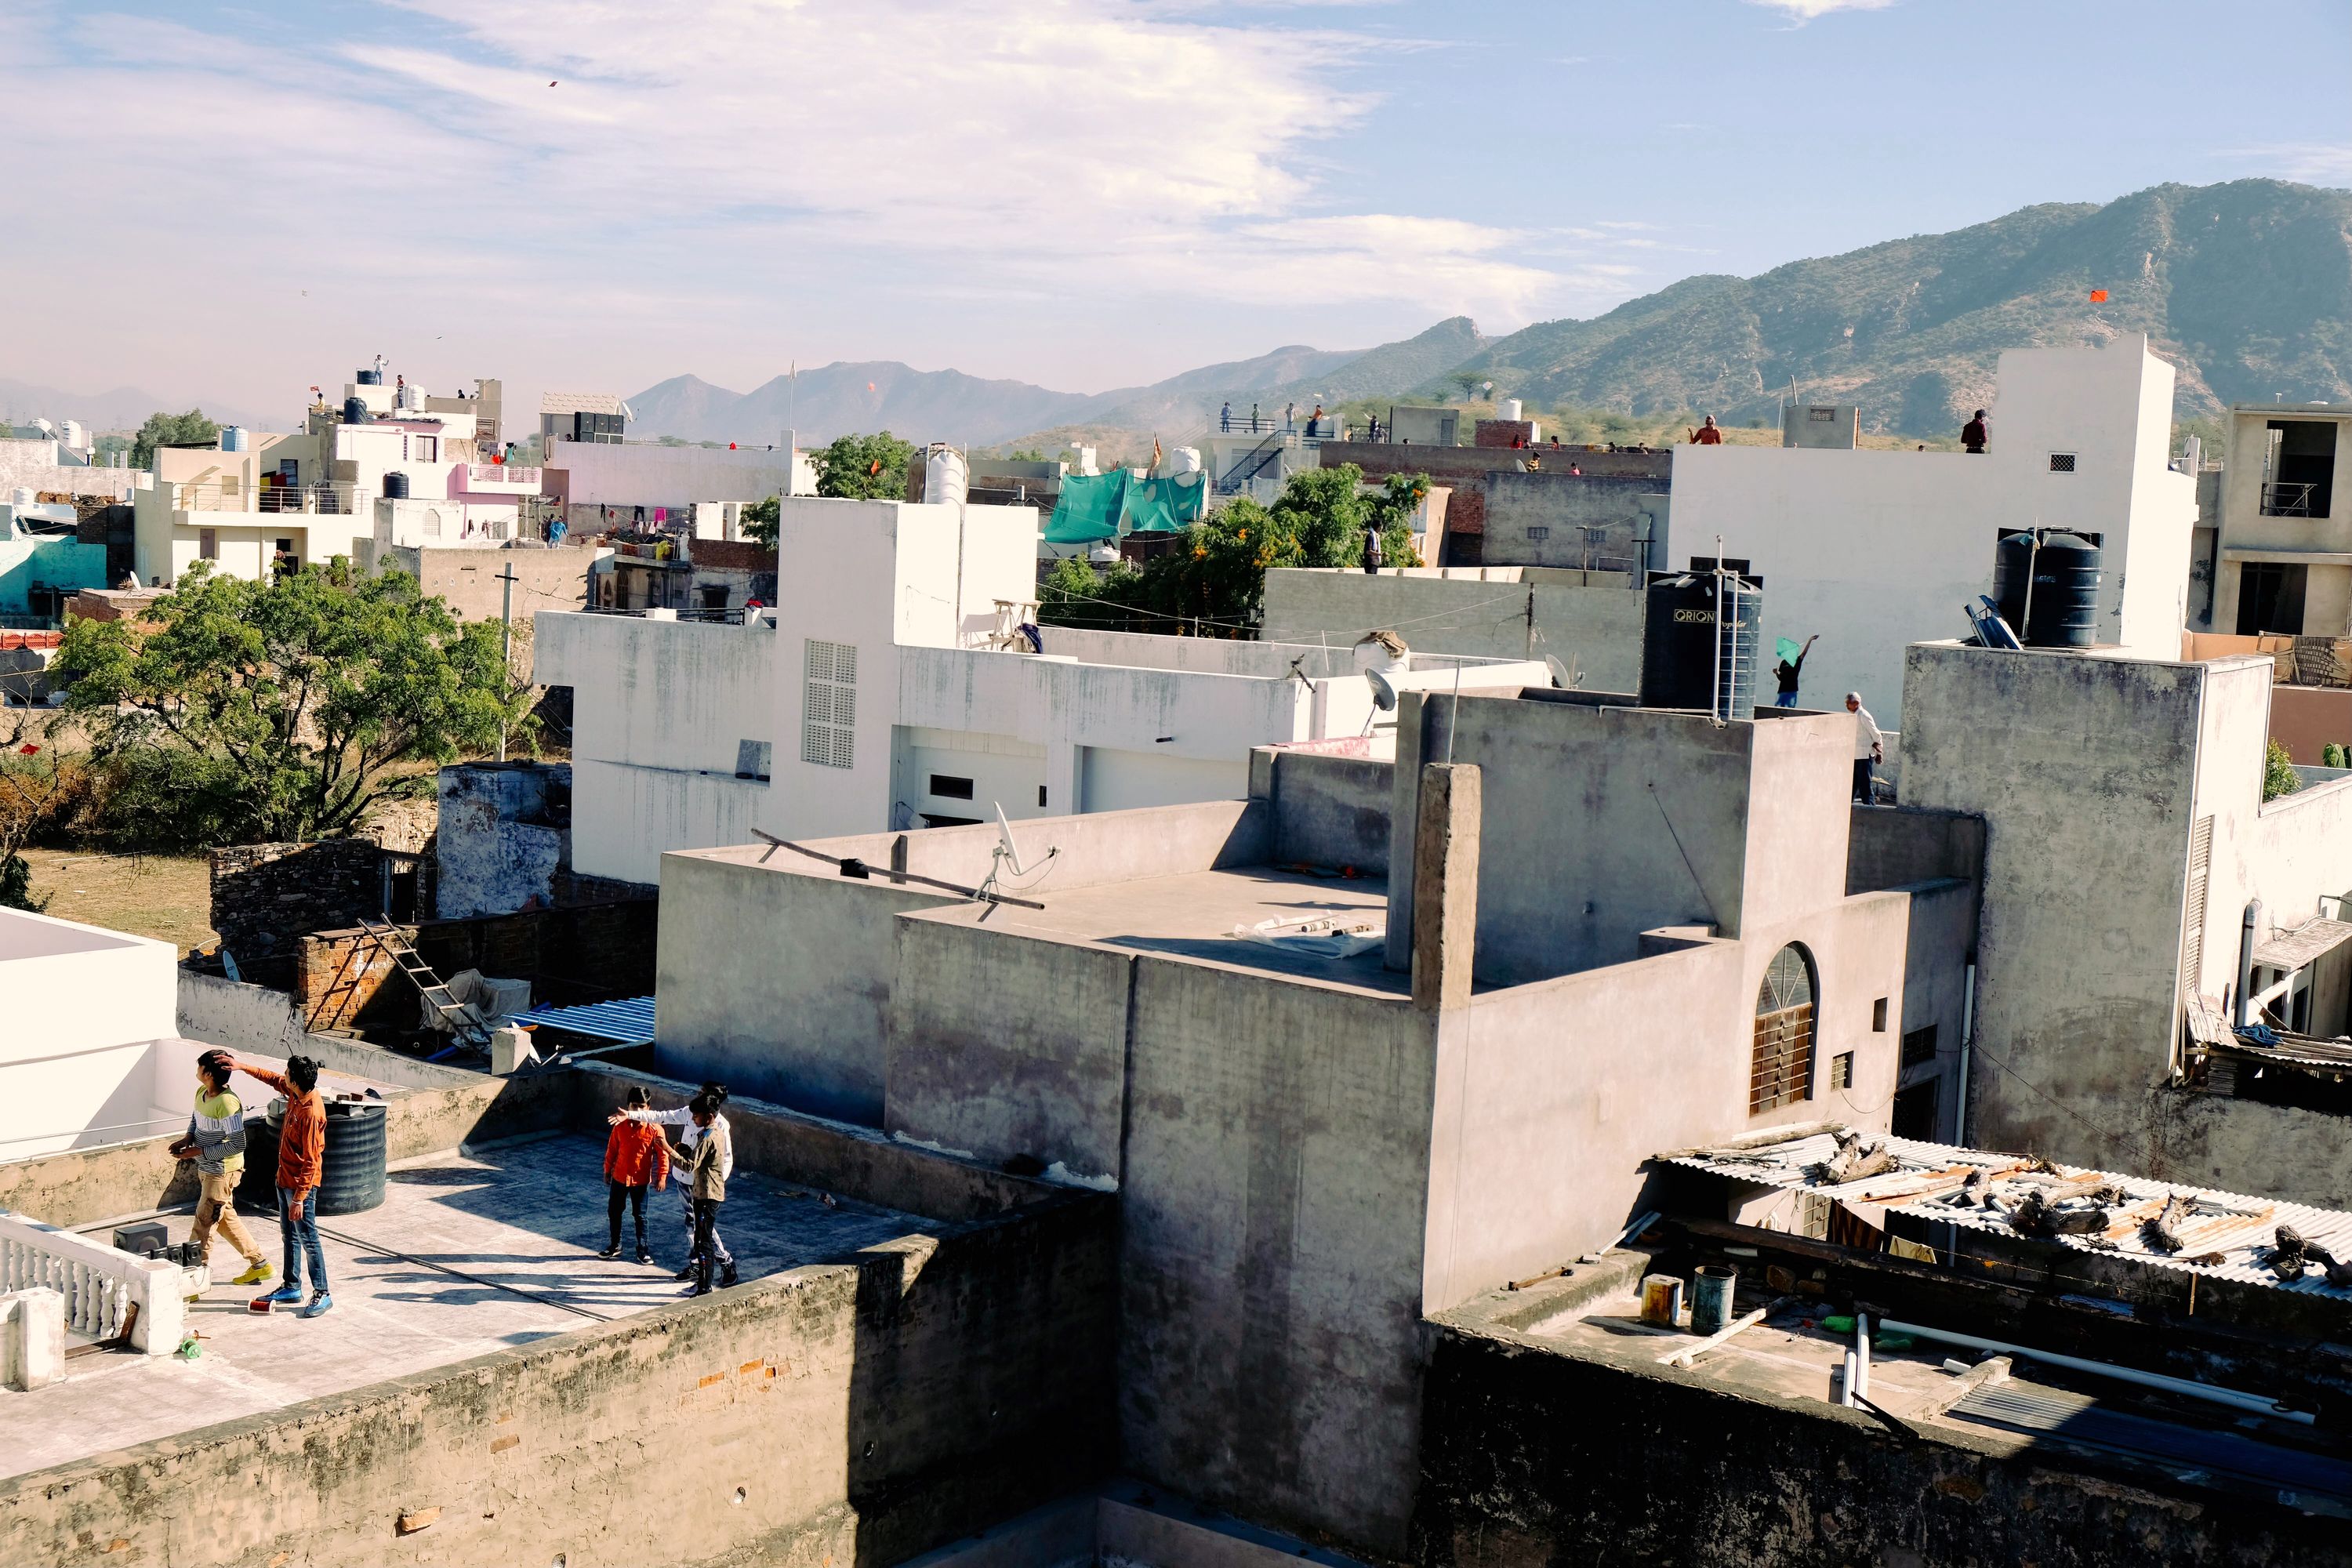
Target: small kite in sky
2098,296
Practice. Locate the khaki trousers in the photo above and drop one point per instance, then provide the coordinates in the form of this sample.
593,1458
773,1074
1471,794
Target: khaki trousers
217,1206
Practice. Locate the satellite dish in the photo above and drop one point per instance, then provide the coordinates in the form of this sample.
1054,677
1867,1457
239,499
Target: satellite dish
1384,697
1007,853
1559,675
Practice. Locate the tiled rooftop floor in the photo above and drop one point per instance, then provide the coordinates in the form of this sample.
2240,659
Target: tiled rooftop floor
467,1254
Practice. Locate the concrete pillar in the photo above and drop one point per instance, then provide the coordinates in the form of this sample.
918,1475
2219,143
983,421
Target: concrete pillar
32,1339
510,1052
1445,885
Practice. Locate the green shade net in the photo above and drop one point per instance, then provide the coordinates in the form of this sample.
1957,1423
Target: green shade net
1090,508
1166,506
1104,506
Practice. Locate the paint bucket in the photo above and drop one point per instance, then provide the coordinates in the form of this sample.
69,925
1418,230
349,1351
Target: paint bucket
1711,1296
1661,1301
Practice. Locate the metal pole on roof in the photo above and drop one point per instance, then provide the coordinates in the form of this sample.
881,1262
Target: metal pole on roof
506,649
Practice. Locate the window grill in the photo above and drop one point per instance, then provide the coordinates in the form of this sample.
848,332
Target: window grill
2061,462
1781,1070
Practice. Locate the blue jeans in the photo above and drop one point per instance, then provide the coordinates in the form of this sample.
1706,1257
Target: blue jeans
1785,700
300,1224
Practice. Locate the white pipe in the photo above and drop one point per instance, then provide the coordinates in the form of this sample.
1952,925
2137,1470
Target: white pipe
1968,1038
2246,959
2234,1398
1862,1351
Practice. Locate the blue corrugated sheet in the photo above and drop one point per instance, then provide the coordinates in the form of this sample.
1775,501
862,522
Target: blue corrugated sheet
630,1021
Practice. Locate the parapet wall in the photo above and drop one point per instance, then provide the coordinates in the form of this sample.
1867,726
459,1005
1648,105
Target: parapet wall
854,1412
1532,1456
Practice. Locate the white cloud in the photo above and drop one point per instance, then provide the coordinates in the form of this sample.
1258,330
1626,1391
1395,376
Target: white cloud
1809,10
701,159
2313,163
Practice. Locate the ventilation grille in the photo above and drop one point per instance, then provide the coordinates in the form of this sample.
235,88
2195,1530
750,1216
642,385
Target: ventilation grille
2061,462
829,713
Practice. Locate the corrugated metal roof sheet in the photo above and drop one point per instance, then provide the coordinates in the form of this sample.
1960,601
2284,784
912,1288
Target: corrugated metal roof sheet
630,1021
2220,1222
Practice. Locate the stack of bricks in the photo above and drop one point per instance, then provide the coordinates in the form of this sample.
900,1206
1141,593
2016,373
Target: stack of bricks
267,896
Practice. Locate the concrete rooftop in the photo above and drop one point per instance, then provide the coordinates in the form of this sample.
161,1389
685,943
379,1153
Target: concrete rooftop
38,936
1193,915
467,1254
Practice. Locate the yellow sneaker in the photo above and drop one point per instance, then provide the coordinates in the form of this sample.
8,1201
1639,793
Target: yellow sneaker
255,1273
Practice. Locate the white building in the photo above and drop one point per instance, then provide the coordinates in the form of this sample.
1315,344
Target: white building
1878,550
879,695
628,476
2284,555
86,1014
377,468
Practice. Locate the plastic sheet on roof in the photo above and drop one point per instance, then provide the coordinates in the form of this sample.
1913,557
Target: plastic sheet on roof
1104,506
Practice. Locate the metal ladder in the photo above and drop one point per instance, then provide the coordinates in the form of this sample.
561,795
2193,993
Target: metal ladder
438,1000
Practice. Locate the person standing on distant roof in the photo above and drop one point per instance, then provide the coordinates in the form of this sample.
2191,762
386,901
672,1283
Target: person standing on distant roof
1225,418
1788,671
1972,434
1289,416
690,1140
215,1141
1252,418
1869,749
1374,556
1315,423
1707,435
301,1156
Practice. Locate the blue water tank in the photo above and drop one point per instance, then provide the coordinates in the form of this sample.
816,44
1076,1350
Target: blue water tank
234,438
396,486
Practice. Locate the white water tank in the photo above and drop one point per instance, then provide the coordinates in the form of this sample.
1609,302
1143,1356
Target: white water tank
1383,651
23,497
1187,460
77,437
946,477
1506,408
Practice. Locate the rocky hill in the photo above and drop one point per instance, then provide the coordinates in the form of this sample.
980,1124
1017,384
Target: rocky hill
2246,287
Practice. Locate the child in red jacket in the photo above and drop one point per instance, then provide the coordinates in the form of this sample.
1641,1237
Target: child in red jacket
635,1156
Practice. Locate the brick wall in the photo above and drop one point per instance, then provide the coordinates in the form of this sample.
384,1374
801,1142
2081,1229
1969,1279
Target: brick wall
267,896
585,953
1503,433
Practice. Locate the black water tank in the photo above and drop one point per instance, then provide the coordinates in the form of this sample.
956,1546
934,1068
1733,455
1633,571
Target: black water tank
2064,577
395,486
351,1179
355,411
369,378
1684,663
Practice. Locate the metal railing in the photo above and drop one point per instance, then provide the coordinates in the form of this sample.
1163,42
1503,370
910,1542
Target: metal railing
2290,501
501,473
1249,464
330,498
100,1283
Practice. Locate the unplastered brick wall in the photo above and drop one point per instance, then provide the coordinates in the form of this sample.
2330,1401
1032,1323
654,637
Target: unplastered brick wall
267,896
582,953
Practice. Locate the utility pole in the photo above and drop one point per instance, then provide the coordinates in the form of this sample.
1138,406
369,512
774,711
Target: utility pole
506,649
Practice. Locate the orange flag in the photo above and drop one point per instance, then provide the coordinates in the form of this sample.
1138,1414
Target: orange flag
2098,296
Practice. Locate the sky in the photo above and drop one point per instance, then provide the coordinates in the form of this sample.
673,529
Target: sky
234,201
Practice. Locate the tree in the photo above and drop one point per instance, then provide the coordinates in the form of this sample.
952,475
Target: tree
763,519
284,709
31,792
1213,583
2279,776
864,468
189,429
1469,381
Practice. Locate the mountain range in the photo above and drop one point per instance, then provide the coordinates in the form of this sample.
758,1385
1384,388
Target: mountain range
2246,287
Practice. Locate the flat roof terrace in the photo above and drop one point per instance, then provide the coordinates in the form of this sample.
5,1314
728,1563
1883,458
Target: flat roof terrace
1193,915
470,1254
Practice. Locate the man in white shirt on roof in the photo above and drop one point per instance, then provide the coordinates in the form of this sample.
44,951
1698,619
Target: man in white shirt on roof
1869,748
715,1096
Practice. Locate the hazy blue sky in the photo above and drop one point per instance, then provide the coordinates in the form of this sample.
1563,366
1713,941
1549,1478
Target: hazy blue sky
234,201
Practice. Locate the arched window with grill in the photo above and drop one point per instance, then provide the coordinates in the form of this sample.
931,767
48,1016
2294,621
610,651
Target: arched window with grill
1782,1070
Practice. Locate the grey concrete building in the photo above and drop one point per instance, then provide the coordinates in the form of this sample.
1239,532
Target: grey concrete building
2127,839
1587,931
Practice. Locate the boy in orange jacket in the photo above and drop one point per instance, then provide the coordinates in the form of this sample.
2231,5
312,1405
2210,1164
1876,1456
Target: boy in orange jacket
301,1153
637,1156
